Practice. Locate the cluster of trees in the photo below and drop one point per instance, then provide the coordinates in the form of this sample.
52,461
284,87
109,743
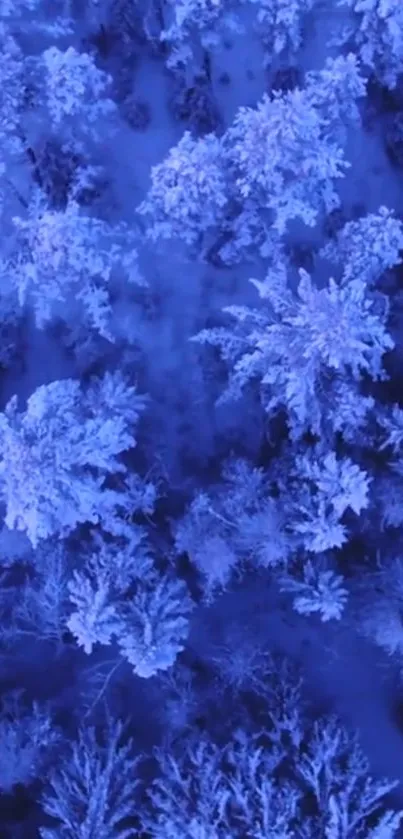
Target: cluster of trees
112,561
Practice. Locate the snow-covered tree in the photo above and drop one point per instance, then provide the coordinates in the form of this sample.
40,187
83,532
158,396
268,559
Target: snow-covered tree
294,343
11,95
338,481
391,422
203,535
212,555
194,28
367,247
378,605
11,327
75,93
28,739
320,591
318,488
155,625
334,92
13,8
242,663
376,28
95,790
280,155
95,619
386,828
64,262
58,452
40,605
188,193
387,501
209,791
236,525
119,596
336,773
347,412
32,16
280,24
98,588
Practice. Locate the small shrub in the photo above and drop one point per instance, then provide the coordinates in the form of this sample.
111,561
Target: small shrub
301,255
56,168
124,78
195,106
125,23
102,41
286,78
137,113
334,222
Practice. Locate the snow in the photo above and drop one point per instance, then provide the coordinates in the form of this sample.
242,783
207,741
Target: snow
343,672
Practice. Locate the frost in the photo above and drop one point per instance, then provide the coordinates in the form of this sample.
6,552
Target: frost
318,530
119,596
242,663
344,332
203,536
216,562
121,563
258,784
11,325
388,498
